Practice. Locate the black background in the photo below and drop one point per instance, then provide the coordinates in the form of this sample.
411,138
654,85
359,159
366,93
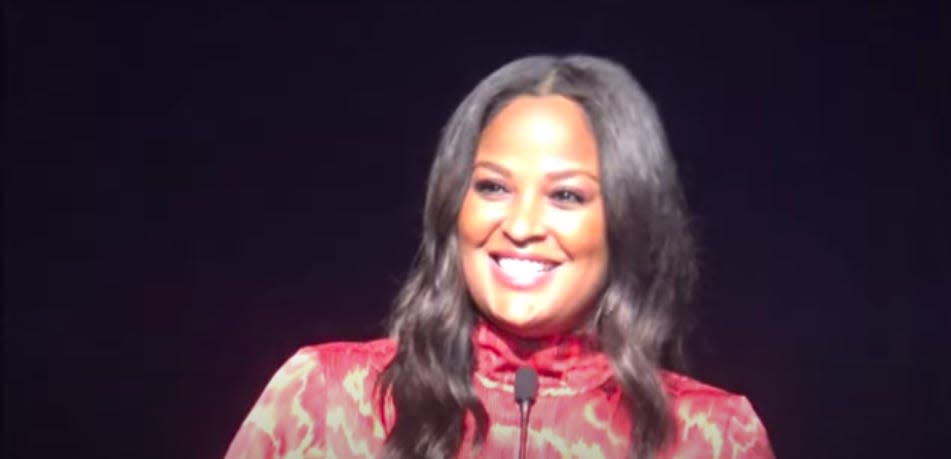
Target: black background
190,194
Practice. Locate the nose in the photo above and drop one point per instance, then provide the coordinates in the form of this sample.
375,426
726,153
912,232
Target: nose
524,220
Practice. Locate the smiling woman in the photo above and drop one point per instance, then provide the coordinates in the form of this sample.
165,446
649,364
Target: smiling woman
555,238
531,226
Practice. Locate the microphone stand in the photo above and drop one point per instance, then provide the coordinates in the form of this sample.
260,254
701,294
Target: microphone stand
523,407
526,385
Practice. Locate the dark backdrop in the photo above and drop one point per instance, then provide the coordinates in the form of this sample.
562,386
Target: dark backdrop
190,194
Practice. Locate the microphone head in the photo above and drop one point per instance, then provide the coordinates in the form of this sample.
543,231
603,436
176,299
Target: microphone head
526,384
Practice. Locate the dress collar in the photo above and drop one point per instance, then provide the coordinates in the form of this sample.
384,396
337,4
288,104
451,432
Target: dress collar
566,364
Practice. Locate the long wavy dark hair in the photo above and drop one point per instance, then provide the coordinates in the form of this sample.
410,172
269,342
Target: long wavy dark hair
651,267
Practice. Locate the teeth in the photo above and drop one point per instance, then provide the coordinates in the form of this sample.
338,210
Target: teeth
517,267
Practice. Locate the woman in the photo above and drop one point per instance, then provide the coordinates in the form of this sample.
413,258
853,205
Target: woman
554,237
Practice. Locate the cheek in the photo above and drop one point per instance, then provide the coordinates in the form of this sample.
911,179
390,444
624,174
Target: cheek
472,229
466,225
476,221
583,236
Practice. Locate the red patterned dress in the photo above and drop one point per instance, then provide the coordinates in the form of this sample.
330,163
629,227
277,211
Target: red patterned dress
320,404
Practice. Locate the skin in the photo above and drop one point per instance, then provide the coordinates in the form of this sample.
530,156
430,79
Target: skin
535,193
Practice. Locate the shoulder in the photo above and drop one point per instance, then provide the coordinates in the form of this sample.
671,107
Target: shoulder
320,386
322,371
317,367
336,355
682,387
331,363
711,419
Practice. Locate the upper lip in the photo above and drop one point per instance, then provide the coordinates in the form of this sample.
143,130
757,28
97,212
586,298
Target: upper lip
496,254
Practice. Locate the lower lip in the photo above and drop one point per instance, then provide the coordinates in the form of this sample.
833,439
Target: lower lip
517,283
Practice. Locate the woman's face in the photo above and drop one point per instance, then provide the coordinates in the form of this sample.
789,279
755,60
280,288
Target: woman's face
531,228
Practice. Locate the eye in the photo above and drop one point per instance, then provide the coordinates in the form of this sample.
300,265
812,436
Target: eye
489,188
566,196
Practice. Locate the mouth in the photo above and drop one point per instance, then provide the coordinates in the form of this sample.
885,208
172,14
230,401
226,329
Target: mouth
521,272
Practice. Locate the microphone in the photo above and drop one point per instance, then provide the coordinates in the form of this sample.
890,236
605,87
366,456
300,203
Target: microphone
526,385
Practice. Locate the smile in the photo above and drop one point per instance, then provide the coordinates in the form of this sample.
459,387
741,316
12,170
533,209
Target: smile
522,273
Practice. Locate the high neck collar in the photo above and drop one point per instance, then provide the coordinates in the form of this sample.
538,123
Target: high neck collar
571,363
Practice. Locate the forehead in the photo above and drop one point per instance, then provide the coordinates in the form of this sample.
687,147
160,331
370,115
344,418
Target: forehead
542,130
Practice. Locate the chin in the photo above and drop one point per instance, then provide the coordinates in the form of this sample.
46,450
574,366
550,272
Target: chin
526,327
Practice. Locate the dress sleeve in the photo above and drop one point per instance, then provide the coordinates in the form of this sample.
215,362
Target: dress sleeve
718,425
278,425
745,435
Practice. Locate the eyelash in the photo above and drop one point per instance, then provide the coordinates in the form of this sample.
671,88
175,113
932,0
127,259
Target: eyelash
488,187
568,196
562,196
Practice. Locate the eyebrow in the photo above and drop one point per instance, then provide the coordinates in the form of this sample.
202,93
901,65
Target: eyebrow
557,175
